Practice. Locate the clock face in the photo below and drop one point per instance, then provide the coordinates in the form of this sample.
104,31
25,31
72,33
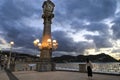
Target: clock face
50,7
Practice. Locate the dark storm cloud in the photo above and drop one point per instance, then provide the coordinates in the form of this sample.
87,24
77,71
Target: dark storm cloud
22,35
77,26
116,28
67,44
12,11
104,34
93,27
97,27
11,15
70,12
93,10
100,41
116,31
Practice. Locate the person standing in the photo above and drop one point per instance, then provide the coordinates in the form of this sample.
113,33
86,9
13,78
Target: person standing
1,62
89,67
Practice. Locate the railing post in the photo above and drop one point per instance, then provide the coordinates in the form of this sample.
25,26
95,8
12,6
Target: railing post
82,67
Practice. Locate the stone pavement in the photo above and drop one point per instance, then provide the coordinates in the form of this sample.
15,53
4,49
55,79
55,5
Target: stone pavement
61,75
55,75
3,75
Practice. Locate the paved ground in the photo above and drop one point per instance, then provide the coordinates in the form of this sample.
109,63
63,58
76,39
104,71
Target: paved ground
3,75
61,75
55,75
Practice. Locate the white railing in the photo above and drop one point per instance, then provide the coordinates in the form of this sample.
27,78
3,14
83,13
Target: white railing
113,68
107,68
67,66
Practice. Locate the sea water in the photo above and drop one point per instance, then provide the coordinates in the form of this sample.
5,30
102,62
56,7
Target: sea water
111,67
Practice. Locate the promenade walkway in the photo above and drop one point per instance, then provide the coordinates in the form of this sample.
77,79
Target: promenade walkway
60,75
55,75
3,75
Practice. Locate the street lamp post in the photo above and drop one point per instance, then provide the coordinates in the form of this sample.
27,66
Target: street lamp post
50,46
47,44
9,59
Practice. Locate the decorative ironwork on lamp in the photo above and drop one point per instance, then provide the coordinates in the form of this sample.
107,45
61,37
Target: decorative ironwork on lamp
51,44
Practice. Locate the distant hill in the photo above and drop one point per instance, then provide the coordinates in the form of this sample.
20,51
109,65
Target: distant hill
18,55
15,54
66,58
81,58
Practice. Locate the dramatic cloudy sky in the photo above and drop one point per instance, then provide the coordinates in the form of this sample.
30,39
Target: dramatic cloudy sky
79,26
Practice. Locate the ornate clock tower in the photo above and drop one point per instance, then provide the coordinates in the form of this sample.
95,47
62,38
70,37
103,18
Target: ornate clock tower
47,44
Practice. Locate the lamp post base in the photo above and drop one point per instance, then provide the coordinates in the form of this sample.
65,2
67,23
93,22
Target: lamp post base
45,66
